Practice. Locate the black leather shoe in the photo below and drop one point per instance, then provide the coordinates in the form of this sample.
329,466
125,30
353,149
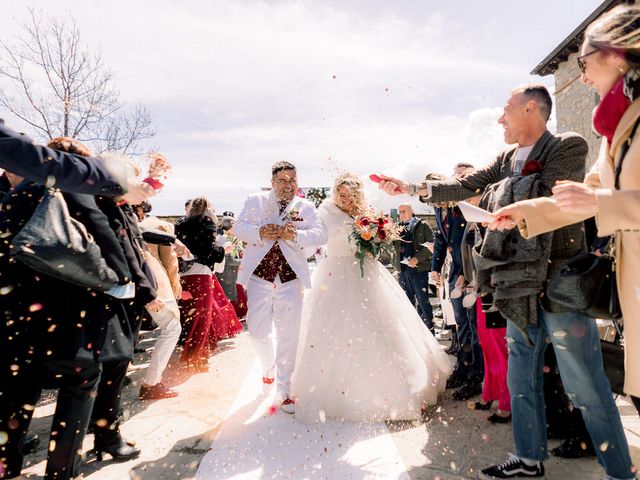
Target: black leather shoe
453,349
495,418
30,445
467,391
479,405
156,392
574,448
116,446
455,381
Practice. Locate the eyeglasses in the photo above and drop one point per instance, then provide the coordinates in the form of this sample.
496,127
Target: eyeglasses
283,181
581,65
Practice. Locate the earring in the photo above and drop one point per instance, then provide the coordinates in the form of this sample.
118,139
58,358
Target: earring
620,69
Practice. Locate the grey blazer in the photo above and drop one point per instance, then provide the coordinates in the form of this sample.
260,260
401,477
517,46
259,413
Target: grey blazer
563,158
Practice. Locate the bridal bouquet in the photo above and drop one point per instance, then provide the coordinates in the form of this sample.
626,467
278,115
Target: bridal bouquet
372,233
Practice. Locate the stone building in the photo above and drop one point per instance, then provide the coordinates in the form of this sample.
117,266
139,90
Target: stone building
574,101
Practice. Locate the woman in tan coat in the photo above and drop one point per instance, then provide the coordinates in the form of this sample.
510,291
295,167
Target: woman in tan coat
610,63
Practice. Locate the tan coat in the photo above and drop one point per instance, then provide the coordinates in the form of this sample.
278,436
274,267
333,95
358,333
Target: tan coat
618,214
165,255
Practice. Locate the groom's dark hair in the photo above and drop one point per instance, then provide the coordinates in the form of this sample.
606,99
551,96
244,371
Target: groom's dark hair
280,167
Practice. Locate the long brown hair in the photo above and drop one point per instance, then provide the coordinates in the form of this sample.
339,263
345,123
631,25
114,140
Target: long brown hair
618,30
201,206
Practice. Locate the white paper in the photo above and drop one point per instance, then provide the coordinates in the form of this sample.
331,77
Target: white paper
475,214
405,261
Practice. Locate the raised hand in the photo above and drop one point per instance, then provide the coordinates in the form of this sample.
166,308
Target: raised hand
137,192
507,218
393,186
575,197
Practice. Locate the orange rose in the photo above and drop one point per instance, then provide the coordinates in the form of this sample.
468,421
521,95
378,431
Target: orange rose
366,235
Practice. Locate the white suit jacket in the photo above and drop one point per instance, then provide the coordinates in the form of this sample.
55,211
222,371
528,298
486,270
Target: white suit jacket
261,209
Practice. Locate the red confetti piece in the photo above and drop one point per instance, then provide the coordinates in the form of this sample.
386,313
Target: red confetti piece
186,296
35,307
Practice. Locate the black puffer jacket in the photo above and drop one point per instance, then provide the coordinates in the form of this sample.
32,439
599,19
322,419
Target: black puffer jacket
199,235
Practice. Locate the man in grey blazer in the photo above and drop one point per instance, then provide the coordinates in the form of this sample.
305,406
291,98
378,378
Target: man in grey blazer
574,336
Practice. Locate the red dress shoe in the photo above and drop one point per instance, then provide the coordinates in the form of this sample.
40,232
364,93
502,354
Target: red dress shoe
267,380
288,405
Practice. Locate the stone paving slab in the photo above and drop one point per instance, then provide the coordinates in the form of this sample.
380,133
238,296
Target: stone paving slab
174,434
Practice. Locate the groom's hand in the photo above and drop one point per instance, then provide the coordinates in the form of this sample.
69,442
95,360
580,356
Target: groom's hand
288,232
270,231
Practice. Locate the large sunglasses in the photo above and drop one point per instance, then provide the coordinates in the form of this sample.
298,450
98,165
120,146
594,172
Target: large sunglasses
581,65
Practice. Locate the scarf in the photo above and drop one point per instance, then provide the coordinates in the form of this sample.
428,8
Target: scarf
613,105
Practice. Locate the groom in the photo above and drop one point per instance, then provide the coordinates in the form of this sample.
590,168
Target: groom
278,227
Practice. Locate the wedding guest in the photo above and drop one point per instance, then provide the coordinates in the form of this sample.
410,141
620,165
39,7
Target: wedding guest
164,265
530,170
228,278
225,323
123,311
412,260
41,315
610,64
198,232
467,376
491,330
68,338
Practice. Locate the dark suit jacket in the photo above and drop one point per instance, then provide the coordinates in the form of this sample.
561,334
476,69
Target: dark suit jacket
73,173
44,318
421,233
451,240
563,158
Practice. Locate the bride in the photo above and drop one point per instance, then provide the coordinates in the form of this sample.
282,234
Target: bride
364,353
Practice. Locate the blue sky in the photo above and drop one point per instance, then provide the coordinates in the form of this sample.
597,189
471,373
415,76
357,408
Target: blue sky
402,87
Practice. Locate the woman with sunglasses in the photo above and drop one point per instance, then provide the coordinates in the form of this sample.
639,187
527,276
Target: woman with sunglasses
610,63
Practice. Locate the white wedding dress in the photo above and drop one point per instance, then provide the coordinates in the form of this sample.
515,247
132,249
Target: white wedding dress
364,353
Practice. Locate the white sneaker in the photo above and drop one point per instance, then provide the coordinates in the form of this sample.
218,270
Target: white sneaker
288,406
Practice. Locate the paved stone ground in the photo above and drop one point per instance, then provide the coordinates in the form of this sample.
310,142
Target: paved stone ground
174,434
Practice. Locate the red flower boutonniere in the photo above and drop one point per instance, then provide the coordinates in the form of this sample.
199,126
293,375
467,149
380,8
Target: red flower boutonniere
530,167
294,215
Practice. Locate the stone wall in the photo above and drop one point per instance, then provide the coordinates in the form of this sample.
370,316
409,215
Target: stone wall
574,106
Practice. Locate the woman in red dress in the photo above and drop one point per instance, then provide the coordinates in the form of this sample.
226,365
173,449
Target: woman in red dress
200,308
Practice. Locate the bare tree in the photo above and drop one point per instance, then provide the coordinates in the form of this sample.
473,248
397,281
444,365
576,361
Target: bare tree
59,89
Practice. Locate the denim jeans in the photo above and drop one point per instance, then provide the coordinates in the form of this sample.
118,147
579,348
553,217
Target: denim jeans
577,346
416,286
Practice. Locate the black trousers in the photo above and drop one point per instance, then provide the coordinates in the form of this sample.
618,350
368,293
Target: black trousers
76,382
106,409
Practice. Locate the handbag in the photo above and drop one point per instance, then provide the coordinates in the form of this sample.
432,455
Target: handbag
54,243
587,283
613,361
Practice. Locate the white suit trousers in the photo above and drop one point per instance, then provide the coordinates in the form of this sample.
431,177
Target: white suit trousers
273,319
170,329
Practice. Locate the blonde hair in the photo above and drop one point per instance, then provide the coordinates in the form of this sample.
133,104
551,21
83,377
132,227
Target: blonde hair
618,30
352,182
201,206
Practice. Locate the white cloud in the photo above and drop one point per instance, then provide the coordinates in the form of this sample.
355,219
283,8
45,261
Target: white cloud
367,86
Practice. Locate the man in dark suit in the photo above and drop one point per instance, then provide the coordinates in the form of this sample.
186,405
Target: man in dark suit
412,260
573,335
67,171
